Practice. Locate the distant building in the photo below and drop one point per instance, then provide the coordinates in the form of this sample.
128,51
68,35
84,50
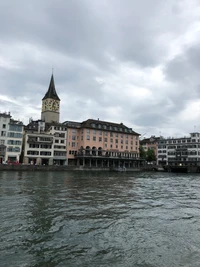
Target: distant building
91,143
150,143
51,104
11,136
96,143
183,151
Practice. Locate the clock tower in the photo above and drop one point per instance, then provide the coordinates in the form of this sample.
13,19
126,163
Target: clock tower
51,104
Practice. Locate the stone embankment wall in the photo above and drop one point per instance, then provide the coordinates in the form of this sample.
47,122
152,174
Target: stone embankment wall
62,168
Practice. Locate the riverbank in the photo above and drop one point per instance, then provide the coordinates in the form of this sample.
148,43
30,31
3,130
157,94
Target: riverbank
67,168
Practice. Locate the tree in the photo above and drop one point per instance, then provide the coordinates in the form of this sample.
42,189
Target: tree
142,153
150,155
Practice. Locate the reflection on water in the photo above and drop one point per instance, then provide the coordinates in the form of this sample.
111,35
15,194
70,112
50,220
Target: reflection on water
99,219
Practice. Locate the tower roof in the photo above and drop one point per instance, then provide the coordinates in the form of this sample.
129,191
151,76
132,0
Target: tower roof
51,93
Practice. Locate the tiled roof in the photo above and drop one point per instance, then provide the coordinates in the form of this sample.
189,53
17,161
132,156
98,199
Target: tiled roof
105,125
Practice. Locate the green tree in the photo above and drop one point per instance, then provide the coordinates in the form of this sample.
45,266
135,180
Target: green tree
142,153
150,155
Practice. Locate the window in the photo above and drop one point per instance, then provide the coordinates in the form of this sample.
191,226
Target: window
2,142
105,145
100,132
100,139
121,141
105,139
73,137
73,131
57,141
121,147
3,133
111,140
33,145
106,133
127,142
116,146
116,141
116,134
88,137
45,153
73,144
30,152
88,131
4,126
126,147
111,134
62,141
94,138
94,131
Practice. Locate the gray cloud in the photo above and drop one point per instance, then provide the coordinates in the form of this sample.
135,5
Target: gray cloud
132,61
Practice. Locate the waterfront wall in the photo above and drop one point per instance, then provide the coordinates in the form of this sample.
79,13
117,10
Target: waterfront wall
63,168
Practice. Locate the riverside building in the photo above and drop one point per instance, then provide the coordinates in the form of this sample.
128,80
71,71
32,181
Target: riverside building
11,136
91,143
45,139
96,143
183,151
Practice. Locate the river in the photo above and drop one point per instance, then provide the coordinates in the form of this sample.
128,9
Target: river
142,219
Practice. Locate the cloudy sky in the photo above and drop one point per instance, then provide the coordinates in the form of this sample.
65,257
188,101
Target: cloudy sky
130,61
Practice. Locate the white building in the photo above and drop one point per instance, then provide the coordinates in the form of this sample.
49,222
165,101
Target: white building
59,132
14,141
4,125
45,144
183,151
11,134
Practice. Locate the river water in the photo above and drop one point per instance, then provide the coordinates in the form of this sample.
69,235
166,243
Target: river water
99,219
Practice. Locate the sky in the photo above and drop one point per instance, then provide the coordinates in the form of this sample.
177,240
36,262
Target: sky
129,61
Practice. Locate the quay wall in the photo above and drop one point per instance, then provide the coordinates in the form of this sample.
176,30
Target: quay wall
63,168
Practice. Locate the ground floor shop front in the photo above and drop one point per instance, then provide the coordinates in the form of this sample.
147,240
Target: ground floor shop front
106,162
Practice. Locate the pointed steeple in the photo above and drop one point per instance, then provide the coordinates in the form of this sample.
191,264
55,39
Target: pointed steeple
51,93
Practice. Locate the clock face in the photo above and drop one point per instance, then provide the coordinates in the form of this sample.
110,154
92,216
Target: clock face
55,106
50,104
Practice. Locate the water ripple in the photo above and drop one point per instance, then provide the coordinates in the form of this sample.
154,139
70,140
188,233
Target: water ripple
99,219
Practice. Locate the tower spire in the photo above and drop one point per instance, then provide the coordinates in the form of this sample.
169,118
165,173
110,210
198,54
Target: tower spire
51,93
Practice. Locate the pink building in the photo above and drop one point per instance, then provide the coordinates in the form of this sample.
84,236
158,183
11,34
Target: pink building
96,143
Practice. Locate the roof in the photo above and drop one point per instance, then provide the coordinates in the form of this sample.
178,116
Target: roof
149,140
51,93
105,125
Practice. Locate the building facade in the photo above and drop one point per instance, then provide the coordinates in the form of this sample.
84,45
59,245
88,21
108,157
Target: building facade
4,125
51,104
95,143
150,143
11,136
183,151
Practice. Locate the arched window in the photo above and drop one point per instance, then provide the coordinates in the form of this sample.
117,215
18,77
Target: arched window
99,151
94,151
87,150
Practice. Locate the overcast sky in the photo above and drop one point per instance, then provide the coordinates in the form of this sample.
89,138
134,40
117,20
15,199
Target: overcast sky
130,61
